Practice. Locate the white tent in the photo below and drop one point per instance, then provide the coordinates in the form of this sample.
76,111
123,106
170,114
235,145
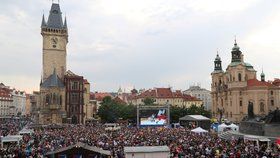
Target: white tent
221,127
234,127
26,131
199,130
10,138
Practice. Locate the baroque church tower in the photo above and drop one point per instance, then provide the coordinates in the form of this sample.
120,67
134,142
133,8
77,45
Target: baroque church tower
55,39
235,88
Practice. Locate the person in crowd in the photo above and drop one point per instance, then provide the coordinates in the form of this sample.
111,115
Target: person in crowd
182,142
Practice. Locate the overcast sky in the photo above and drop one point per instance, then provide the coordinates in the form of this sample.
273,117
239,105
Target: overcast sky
141,43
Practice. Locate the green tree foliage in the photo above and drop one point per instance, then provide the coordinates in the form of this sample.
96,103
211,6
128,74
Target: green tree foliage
110,111
148,101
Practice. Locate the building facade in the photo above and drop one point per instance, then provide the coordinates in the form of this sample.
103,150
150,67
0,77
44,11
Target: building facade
202,94
163,96
238,86
12,101
6,100
62,98
19,102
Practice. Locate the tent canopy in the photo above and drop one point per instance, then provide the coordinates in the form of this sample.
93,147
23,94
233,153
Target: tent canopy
194,118
26,131
11,138
199,130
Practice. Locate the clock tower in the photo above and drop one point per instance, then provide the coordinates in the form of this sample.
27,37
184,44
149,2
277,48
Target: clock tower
55,39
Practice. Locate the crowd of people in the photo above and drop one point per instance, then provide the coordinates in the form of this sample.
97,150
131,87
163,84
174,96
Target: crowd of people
181,141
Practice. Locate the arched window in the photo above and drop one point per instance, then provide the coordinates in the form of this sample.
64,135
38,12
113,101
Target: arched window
261,107
60,100
47,99
239,77
54,99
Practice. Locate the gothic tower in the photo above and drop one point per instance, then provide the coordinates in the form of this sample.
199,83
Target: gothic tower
55,39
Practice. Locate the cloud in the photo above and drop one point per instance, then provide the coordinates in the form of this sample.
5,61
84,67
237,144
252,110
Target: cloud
143,43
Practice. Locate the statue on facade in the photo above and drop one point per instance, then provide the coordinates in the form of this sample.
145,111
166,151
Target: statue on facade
273,116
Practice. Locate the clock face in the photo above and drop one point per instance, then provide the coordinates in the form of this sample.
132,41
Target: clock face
54,41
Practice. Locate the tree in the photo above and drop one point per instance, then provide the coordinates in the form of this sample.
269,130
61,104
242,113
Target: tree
148,101
111,110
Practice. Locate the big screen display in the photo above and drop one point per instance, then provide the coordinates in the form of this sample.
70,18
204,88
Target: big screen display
153,117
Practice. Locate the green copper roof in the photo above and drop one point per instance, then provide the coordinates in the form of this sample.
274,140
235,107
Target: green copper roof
247,65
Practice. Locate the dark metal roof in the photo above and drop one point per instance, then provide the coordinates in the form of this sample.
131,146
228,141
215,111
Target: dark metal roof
55,18
43,24
52,81
80,145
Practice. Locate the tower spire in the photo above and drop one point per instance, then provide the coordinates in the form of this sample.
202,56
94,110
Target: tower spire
262,76
218,63
65,23
43,24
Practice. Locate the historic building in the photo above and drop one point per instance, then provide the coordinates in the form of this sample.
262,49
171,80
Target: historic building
232,90
12,101
163,96
6,100
62,98
202,94
19,102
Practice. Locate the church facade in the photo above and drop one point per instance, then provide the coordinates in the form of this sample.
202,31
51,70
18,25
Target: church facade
232,90
59,102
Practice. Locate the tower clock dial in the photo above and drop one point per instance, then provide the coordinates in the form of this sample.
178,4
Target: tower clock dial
54,41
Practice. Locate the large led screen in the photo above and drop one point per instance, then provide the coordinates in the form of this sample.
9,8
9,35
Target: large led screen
153,117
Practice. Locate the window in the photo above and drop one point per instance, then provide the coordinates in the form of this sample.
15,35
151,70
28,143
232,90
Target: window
240,103
74,85
239,77
261,107
271,92
47,99
230,114
272,102
74,98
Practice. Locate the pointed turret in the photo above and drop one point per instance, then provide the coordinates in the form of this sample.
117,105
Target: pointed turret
43,24
65,23
52,81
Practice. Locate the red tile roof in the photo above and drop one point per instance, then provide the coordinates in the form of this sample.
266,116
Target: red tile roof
86,81
257,83
99,96
5,93
119,100
276,82
190,98
164,93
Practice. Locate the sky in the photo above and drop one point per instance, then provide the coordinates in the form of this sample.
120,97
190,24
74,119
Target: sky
141,43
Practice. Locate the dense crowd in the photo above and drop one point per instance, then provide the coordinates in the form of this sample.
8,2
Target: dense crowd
181,141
